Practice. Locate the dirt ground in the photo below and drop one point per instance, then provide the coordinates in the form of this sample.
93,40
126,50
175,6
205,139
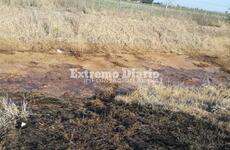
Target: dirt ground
67,113
47,71
41,40
102,123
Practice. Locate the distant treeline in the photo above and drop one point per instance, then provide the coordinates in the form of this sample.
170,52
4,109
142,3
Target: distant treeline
147,1
175,6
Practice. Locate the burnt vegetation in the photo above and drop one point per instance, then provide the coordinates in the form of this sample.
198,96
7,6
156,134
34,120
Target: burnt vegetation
102,124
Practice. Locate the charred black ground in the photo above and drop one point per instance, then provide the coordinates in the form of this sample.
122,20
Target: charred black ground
103,123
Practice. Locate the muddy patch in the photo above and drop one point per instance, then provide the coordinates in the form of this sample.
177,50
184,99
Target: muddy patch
222,63
196,77
57,81
6,52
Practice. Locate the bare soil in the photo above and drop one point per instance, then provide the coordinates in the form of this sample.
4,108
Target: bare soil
67,113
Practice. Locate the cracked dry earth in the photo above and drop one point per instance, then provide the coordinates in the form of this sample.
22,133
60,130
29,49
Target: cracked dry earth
68,114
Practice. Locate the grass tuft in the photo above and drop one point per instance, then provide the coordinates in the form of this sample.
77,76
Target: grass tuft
9,112
209,102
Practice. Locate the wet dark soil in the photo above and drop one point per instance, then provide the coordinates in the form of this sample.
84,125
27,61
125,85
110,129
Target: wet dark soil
62,123
200,77
66,113
57,81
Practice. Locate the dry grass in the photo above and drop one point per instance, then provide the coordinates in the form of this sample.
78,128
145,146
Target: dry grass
46,24
209,102
46,3
9,112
